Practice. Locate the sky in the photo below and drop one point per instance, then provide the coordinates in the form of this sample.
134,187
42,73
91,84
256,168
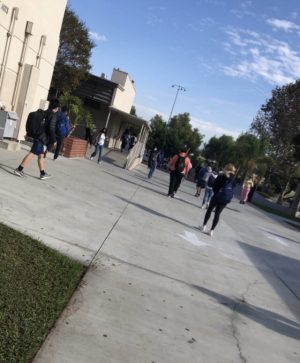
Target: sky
227,54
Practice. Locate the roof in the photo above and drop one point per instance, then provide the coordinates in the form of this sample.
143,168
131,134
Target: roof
130,117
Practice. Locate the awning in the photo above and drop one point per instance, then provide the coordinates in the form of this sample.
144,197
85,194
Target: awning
128,117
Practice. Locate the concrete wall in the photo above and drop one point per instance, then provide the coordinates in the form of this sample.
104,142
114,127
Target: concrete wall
124,95
31,88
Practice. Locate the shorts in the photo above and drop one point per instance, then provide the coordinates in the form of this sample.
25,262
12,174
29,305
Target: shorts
201,183
37,148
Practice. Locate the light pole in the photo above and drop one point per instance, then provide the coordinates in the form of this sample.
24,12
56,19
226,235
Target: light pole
179,88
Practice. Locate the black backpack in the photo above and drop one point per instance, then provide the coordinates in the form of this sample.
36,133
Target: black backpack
35,124
180,163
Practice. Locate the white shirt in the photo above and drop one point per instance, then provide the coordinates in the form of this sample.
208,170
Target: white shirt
101,139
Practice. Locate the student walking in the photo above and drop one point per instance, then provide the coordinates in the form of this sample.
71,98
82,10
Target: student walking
99,145
63,128
248,184
223,193
153,161
208,189
201,182
179,166
41,127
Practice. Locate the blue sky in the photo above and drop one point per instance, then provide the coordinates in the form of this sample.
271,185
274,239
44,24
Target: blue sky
228,54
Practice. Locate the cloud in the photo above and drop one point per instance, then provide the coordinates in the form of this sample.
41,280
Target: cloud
285,25
261,56
209,129
98,37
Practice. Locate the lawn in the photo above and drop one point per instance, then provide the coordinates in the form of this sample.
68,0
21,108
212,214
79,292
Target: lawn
36,283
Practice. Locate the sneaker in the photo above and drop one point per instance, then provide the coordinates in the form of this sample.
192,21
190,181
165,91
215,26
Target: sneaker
203,206
202,228
45,176
18,172
99,162
211,233
91,158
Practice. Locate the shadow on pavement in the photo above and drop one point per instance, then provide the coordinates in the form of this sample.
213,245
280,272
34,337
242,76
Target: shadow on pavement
267,318
284,278
152,211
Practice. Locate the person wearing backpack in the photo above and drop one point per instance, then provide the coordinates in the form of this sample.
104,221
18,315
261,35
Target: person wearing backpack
210,176
62,129
179,166
223,189
41,127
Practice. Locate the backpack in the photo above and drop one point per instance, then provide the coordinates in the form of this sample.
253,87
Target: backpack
62,127
225,194
180,163
35,124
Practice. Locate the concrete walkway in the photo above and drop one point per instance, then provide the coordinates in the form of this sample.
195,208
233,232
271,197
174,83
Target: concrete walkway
157,289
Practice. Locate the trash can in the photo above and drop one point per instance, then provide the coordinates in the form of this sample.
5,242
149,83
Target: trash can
8,124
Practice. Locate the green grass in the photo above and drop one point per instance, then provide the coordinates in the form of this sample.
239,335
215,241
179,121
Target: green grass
36,283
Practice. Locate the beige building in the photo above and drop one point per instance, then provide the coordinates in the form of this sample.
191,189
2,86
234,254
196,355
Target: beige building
29,39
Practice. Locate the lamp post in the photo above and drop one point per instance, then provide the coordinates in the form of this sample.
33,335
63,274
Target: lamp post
179,88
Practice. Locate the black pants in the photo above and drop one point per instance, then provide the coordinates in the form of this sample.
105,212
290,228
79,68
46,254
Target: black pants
59,143
175,181
219,207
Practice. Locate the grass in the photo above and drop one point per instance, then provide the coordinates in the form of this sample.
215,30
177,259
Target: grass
36,283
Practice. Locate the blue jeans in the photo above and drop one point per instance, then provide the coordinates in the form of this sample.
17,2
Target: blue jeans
98,148
207,196
152,169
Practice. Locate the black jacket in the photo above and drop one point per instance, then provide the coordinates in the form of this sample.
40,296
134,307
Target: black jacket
219,182
49,135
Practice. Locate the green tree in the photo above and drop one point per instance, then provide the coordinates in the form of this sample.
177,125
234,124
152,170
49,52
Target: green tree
171,137
277,123
220,150
78,114
74,52
133,111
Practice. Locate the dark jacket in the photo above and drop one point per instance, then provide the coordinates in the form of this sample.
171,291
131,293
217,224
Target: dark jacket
219,182
49,134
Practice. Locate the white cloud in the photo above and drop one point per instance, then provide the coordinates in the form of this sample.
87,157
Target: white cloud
209,129
98,37
285,25
262,56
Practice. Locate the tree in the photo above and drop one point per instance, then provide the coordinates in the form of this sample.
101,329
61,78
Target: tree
171,137
72,62
133,111
277,123
220,150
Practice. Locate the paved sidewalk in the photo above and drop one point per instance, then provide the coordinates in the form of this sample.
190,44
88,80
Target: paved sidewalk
158,290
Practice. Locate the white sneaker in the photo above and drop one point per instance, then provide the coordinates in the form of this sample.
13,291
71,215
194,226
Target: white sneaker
203,206
202,228
211,233
91,158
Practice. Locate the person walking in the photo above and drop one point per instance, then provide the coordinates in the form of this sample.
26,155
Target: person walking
201,182
99,145
252,189
209,188
62,130
223,189
248,184
153,161
41,126
179,166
